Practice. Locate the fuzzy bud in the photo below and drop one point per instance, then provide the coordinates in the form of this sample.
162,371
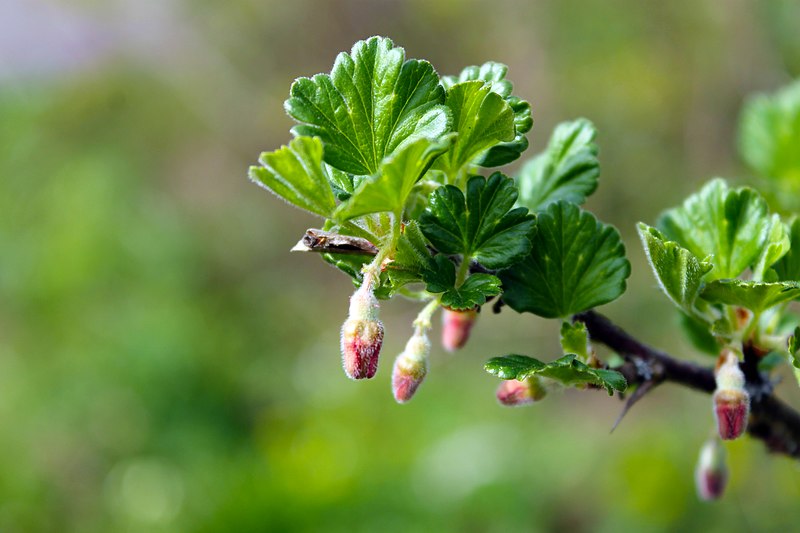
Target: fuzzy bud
410,367
456,328
514,393
362,335
731,400
711,474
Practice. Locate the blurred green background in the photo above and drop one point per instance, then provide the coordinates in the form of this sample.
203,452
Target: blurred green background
167,365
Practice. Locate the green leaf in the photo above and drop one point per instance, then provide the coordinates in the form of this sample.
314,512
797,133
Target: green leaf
776,245
769,136
295,174
731,225
753,295
788,267
794,348
482,119
699,335
567,370
771,361
388,190
495,75
342,183
473,292
577,263
678,271
483,226
567,170
373,103
575,339
412,257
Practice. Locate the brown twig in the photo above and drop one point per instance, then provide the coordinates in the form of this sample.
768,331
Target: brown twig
771,420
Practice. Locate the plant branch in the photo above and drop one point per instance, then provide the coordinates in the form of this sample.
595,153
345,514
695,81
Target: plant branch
771,420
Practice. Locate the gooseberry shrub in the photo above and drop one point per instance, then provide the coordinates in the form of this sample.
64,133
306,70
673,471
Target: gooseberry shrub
398,163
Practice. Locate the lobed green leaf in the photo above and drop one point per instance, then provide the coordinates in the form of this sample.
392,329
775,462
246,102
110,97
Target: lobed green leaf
373,103
756,296
576,263
483,226
730,225
482,119
769,136
567,170
388,190
567,370
679,273
472,293
295,174
494,74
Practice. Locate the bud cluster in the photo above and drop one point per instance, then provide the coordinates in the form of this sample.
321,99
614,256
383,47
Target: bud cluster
362,335
731,400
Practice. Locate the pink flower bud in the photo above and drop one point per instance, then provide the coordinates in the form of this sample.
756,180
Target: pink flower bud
731,408
457,326
362,335
731,400
514,393
711,474
410,367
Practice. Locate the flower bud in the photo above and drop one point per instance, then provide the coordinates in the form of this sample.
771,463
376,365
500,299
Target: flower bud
362,335
731,400
457,326
711,474
731,408
514,393
410,367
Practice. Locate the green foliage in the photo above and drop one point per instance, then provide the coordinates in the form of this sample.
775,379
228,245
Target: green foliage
483,226
699,334
794,348
482,119
777,244
752,295
788,267
576,263
678,271
473,292
495,75
295,174
575,339
769,134
388,190
373,103
567,370
729,225
567,170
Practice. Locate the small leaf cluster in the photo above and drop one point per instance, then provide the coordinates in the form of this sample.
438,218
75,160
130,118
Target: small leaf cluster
729,265
386,149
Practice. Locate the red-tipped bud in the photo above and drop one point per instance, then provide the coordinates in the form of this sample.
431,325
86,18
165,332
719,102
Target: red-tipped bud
731,408
711,474
514,393
362,335
731,400
410,367
456,328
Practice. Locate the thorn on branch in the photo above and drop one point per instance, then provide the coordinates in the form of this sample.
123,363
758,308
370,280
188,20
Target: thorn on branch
637,395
